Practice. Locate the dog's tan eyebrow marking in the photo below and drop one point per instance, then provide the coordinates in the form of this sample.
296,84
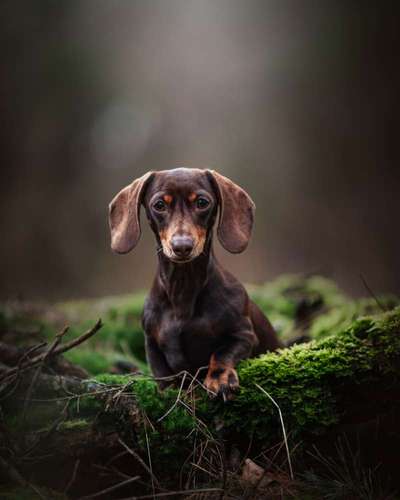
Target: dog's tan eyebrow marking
192,197
167,198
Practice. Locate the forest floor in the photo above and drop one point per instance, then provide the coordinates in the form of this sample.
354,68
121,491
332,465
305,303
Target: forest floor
81,415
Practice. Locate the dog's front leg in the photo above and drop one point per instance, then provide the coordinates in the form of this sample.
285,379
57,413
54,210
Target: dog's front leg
158,363
172,346
175,356
222,379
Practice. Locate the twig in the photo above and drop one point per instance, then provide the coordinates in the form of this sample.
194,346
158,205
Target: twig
47,354
30,351
75,342
55,352
283,428
5,370
111,488
140,460
11,355
54,344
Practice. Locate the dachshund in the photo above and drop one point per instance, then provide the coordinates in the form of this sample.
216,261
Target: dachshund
197,314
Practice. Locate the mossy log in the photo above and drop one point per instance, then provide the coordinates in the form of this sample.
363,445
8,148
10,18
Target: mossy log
124,427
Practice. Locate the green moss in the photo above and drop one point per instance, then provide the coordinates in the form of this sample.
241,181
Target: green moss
113,379
283,294
306,380
120,338
171,432
289,298
74,425
155,404
93,362
337,319
123,334
102,360
112,307
85,407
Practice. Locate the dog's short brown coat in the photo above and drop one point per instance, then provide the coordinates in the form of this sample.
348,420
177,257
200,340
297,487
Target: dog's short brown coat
197,314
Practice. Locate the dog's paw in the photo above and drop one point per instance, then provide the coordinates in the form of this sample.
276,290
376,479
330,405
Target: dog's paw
222,381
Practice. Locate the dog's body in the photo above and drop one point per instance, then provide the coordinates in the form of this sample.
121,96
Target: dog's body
197,314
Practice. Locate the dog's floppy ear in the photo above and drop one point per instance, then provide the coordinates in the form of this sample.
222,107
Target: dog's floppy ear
124,215
236,213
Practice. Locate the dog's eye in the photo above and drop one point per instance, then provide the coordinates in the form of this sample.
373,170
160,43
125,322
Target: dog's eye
160,206
202,203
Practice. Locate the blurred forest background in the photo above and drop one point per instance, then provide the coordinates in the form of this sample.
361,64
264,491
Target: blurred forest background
297,101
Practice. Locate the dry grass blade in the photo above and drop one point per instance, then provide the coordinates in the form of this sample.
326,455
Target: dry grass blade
5,370
283,428
176,401
150,463
140,460
204,470
373,295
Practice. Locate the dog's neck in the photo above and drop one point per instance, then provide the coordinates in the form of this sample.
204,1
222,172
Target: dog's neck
183,283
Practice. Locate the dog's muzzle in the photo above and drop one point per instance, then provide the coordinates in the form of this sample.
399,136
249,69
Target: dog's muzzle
182,247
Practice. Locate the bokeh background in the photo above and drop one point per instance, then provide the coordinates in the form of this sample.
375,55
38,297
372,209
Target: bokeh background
297,101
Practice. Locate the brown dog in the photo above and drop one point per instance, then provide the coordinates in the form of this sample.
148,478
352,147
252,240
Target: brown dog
197,314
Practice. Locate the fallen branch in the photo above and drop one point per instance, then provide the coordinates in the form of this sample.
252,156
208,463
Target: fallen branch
47,354
55,351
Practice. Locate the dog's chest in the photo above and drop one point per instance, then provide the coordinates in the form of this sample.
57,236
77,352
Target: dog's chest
187,343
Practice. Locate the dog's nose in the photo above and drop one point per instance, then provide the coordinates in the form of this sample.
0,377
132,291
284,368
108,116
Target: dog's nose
182,245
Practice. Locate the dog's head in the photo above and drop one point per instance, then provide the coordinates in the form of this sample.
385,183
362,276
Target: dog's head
181,206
